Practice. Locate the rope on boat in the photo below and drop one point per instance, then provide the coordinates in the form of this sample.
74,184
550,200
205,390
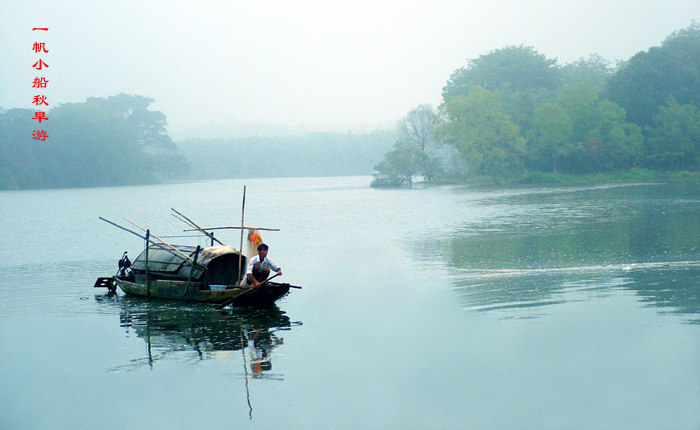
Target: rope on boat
190,235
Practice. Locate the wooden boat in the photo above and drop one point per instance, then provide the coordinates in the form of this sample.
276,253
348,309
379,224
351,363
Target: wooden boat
180,272
211,276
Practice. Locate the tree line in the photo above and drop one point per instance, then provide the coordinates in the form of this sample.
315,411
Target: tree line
515,115
118,140
101,142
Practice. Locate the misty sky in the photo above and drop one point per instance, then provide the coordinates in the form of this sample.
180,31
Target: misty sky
310,65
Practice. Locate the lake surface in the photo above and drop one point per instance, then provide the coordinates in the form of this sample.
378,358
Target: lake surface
572,307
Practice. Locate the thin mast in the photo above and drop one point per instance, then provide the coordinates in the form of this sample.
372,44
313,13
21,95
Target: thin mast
240,249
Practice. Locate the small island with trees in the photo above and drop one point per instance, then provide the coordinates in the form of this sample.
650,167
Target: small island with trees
514,115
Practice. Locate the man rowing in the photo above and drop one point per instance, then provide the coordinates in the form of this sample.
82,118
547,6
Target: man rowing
259,267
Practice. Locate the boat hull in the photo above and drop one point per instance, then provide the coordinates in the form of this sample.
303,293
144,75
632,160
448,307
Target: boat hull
190,292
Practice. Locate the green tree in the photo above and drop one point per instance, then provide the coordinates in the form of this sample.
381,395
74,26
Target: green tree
674,140
97,145
522,76
579,100
20,166
521,105
649,78
484,134
398,167
602,138
113,141
514,68
622,141
158,149
594,70
550,140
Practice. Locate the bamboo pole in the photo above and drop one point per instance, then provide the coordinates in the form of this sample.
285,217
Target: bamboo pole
206,233
232,228
187,257
240,250
183,256
189,279
197,228
148,286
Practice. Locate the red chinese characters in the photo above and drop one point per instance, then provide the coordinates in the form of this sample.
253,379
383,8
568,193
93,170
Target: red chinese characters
40,82
39,135
40,100
40,64
40,47
41,116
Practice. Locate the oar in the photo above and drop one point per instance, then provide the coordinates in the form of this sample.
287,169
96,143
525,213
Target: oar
231,300
268,280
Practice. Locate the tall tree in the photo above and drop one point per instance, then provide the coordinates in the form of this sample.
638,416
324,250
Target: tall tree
112,141
579,100
551,138
398,167
97,144
674,140
149,125
513,68
622,141
604,140
594,70
524,78
417,129
157,148
484,134
649,78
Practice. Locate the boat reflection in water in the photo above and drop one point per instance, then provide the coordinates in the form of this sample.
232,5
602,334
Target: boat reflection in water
194,332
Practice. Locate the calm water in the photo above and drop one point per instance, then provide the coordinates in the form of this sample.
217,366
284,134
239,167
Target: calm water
449,307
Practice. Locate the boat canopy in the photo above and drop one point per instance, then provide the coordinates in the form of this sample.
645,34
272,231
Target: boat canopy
218,265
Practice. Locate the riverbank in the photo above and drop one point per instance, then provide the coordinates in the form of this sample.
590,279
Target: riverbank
540,178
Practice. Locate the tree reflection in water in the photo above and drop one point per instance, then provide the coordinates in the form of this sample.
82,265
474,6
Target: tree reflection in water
542,246
666,286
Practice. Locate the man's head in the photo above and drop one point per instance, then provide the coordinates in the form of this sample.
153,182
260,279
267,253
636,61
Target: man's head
262,250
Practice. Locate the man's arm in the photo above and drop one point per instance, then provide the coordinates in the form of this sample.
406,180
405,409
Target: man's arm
275,267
